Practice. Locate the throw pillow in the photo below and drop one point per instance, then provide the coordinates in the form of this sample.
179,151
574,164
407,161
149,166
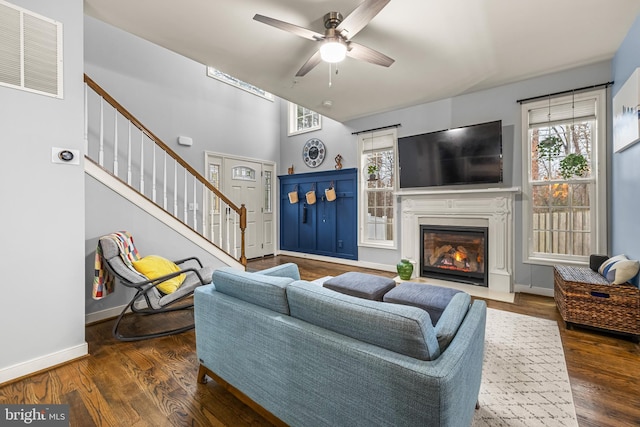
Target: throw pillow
154,266
619,269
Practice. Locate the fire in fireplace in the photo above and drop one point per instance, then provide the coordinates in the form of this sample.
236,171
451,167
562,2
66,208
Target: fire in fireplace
454,253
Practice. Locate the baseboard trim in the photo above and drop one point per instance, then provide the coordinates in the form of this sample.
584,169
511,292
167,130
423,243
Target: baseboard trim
48,361
354,263
101,315
535,290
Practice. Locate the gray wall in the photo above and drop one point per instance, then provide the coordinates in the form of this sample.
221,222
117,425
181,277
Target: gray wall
151,237
625,192
42,251
488,105
173,96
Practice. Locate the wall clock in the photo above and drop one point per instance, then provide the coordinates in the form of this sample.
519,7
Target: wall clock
313,152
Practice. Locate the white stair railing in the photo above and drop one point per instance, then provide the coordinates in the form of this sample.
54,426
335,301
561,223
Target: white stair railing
189,191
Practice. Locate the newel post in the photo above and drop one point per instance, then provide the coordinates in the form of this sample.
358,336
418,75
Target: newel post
243,226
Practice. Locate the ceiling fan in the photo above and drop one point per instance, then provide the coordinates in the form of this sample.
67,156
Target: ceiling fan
336,41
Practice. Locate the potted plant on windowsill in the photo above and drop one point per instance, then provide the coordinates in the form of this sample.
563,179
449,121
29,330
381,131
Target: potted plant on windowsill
372,170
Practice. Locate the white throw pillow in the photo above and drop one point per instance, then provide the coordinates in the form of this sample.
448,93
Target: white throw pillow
619,269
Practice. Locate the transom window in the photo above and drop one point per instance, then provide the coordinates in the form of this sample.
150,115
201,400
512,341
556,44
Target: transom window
564,201
378,184
303,120
230,80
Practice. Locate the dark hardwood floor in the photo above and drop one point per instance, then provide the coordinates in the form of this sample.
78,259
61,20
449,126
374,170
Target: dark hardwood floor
153,382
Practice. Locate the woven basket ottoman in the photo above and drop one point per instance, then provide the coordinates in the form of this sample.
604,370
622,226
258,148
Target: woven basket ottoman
584,297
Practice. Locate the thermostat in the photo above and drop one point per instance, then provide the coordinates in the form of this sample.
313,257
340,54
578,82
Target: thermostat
65,156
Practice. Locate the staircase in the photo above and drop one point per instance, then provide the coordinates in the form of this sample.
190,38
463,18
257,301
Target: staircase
127,157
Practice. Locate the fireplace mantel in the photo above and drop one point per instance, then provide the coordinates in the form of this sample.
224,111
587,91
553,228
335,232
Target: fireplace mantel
409,193
490,207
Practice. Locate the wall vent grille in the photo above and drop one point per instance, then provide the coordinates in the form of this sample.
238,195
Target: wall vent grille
30,51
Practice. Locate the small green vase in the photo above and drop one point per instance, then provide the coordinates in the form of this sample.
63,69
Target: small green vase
405,269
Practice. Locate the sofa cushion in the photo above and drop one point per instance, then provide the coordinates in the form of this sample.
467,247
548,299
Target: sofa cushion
399,328
361,285
263,290
433,299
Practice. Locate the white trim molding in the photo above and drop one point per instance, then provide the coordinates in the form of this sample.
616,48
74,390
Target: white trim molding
489,208
44,362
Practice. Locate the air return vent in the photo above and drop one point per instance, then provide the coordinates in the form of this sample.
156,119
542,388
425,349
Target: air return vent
30,51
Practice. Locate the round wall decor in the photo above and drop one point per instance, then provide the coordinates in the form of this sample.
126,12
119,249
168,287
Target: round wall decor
313,152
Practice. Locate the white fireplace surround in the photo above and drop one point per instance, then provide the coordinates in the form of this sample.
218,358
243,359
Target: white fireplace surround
491,208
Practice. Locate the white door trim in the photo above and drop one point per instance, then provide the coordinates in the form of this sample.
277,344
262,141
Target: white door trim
210,155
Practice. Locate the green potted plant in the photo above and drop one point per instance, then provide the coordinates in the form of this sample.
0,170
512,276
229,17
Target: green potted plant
573,165
372,170
550,147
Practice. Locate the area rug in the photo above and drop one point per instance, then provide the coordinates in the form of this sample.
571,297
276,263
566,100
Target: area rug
524,376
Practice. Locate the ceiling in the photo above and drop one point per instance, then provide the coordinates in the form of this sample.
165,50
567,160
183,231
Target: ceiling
441,48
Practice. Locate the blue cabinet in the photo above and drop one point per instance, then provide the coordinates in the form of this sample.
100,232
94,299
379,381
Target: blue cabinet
328,228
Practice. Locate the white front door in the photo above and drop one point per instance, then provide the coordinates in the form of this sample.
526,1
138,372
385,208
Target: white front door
242,184
249,182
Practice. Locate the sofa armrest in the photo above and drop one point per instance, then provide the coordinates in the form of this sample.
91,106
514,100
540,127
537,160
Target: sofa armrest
289,270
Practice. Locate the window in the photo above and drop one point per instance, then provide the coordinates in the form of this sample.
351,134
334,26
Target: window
214,179
377,204
564,182
302,119
243,173
230,80
268,208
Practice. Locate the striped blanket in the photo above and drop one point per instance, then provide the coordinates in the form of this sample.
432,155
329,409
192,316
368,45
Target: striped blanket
103,280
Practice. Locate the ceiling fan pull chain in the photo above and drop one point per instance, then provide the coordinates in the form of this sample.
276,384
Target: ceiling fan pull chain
330,74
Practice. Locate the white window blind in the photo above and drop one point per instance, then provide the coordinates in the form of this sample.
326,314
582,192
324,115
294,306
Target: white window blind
561,113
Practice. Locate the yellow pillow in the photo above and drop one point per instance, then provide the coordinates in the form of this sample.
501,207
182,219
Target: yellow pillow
154,266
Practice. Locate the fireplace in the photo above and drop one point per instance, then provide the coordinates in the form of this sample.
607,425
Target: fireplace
456,253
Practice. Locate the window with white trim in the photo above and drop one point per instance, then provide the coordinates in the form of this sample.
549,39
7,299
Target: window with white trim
303,120
235,82
564,203
378,184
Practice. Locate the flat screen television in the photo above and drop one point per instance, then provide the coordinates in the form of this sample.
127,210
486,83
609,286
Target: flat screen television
465,155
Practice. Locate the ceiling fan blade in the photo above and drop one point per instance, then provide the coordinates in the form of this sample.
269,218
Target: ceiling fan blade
299,31
308,66
360,17
364,53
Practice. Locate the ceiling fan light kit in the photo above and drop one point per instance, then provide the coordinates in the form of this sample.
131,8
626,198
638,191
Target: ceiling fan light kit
333,50
335,43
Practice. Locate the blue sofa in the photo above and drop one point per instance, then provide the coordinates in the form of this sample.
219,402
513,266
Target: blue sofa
310,356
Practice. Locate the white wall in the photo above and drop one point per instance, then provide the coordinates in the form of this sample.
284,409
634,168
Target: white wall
42,251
